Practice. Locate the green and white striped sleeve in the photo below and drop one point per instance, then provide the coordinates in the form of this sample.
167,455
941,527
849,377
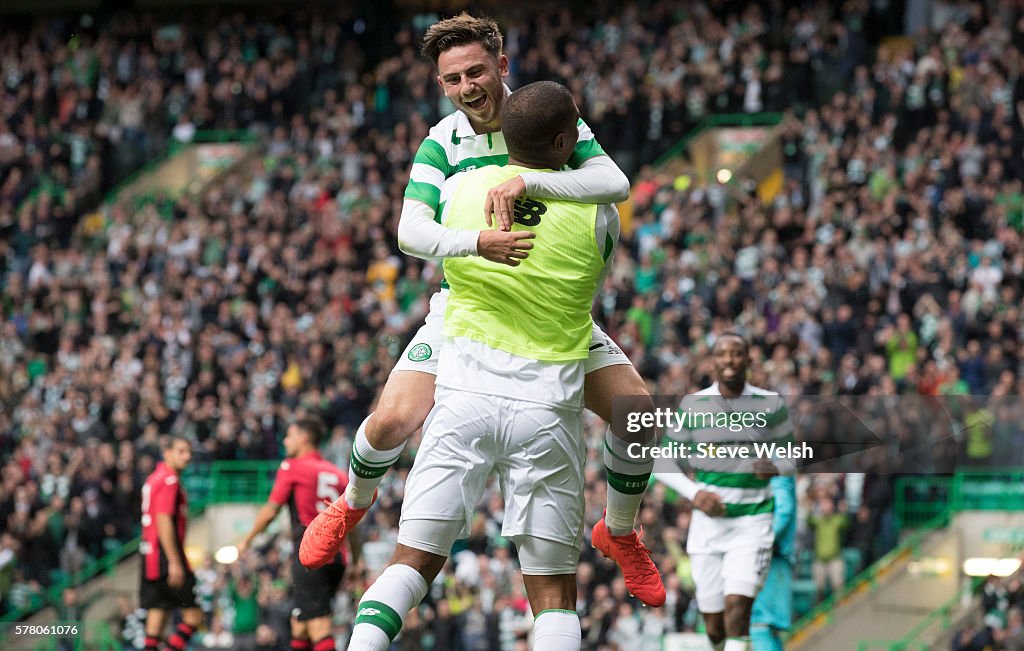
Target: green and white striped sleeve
586,146
429,170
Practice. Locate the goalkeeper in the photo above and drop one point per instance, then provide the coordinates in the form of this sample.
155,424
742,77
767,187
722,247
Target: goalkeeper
773,608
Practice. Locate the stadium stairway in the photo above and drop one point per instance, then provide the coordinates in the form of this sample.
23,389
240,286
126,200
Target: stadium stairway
892,601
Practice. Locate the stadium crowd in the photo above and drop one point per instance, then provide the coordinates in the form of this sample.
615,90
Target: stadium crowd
890,265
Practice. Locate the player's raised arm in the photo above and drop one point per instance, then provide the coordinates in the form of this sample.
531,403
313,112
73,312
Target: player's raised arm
419,235
420,229
595,178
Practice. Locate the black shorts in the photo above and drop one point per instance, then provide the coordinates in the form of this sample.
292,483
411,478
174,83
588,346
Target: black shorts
158,594
313,590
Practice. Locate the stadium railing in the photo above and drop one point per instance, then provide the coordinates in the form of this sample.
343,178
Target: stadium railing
715,121
919,499
943,615
211,483
970,489
868,579
52,596
231,481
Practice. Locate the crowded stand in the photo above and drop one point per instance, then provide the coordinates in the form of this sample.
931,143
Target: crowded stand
890,264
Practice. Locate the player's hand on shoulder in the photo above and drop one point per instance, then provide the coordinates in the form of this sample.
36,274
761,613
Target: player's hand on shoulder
710,503
501,201
504,248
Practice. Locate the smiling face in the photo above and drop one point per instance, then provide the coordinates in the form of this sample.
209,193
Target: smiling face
730,357
471,78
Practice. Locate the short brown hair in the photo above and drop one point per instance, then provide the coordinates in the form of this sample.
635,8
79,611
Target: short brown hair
313,427
461,30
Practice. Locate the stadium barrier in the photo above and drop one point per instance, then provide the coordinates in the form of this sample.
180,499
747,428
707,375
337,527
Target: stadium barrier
223,482
867,580
716,121
105,565
209,136
919,499
943,616
205,483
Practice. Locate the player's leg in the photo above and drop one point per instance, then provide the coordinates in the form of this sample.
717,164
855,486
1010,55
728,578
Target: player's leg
191,620
710,593
714,627
745,566
549,575
737,622
318,631
773,607
403,584
300,636
445,484
612,382
191,615
312,593
156,620
539,467
404,404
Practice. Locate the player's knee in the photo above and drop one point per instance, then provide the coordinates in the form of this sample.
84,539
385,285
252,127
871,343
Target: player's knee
193,617
616,388
428,564
714,626
737,615
391,426
556,592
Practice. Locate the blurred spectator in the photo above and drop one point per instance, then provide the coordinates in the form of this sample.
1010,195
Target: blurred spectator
889,264
972,637
829,566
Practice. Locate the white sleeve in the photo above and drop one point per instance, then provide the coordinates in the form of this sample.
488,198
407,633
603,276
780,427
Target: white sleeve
680,482
420,236
598,180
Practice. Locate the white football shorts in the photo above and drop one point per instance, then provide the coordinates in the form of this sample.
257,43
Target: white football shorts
728,556
536,451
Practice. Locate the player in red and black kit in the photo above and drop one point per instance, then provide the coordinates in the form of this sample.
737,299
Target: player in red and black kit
167,580
306,482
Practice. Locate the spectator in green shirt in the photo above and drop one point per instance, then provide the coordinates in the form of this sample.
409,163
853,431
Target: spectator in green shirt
828,526
901,348
247,611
